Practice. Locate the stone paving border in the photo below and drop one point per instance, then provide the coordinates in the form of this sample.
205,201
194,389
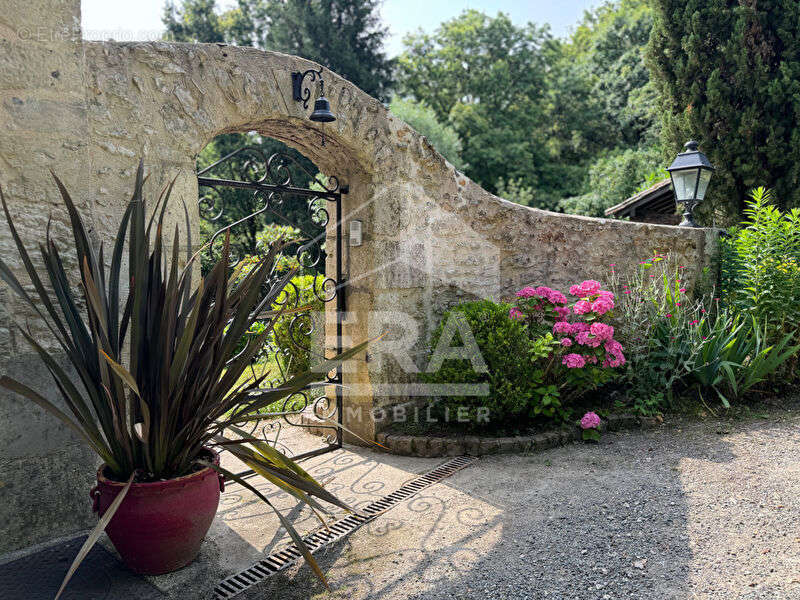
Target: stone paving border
431,447
436,446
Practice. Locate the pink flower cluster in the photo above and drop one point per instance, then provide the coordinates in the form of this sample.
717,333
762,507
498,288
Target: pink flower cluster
590,421
543,298
546,293
593,299
614,355
594,335
570,328
587,288
589,340
574,361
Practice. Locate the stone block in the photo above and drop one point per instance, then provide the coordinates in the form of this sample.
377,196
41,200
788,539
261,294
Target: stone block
43,22
620,422
544,441
525,444
454,446
434,447
489,446
650,422
472,445
400,444
507,445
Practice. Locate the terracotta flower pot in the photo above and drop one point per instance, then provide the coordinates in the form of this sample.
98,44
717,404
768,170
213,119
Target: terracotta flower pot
159,526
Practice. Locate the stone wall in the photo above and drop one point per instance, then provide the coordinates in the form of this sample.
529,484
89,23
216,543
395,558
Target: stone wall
45,473
432,237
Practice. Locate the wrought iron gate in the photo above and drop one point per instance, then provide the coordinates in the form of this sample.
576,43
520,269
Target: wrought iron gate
274,198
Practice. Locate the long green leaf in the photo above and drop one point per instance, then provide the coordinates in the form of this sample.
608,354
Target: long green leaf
284,521
123,373
95,535
264,466
182,351
82,243
70,393
32,273
114,282
276,481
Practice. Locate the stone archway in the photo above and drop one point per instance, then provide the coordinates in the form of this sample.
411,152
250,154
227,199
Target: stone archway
169,100
172,99
88,110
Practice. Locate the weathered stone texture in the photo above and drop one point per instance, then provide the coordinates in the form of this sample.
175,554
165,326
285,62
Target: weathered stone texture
44,470
89,110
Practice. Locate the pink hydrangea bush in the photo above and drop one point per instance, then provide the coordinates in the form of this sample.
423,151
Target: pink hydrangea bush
572,338
590,424
585,340
542,302
590,421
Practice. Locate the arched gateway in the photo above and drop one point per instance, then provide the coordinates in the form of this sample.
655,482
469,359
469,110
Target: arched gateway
431,236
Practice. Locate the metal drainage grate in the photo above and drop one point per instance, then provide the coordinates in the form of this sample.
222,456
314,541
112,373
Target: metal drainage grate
278,561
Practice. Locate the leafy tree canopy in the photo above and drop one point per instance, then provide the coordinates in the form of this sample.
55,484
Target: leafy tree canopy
487,77
609,47
614,177
534,113
346,36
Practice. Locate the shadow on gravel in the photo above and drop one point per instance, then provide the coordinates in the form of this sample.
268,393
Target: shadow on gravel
579,522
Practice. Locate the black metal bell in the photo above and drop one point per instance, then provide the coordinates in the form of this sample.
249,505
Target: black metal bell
322,111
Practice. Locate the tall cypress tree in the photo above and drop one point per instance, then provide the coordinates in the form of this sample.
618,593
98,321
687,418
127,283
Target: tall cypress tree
728,74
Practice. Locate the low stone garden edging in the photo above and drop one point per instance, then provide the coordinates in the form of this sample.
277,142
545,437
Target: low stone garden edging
437,446
433,447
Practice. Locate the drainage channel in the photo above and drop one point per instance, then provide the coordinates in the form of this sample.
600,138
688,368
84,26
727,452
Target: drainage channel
278,561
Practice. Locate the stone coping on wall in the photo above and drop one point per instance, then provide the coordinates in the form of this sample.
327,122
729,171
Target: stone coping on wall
429,446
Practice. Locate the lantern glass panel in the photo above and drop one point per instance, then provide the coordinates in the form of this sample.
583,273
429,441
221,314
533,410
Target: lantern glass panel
705,177
684,183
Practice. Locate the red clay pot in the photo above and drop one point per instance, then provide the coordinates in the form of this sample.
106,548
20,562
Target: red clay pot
159,526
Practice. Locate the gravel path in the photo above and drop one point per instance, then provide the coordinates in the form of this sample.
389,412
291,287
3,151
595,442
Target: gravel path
691,510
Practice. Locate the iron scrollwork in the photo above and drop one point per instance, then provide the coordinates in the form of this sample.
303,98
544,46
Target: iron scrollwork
300,93
271,181
260,169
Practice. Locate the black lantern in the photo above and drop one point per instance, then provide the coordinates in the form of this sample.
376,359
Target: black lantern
690,173
322,107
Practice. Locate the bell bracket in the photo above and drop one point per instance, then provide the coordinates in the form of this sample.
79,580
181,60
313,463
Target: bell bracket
301,93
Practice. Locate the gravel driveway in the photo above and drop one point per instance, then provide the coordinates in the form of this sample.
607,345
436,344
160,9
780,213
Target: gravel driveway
691,510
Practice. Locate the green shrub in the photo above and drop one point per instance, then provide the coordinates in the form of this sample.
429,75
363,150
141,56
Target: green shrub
293,334
514,367
761,265
678,344
730,355
614,178
654,321
515,190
